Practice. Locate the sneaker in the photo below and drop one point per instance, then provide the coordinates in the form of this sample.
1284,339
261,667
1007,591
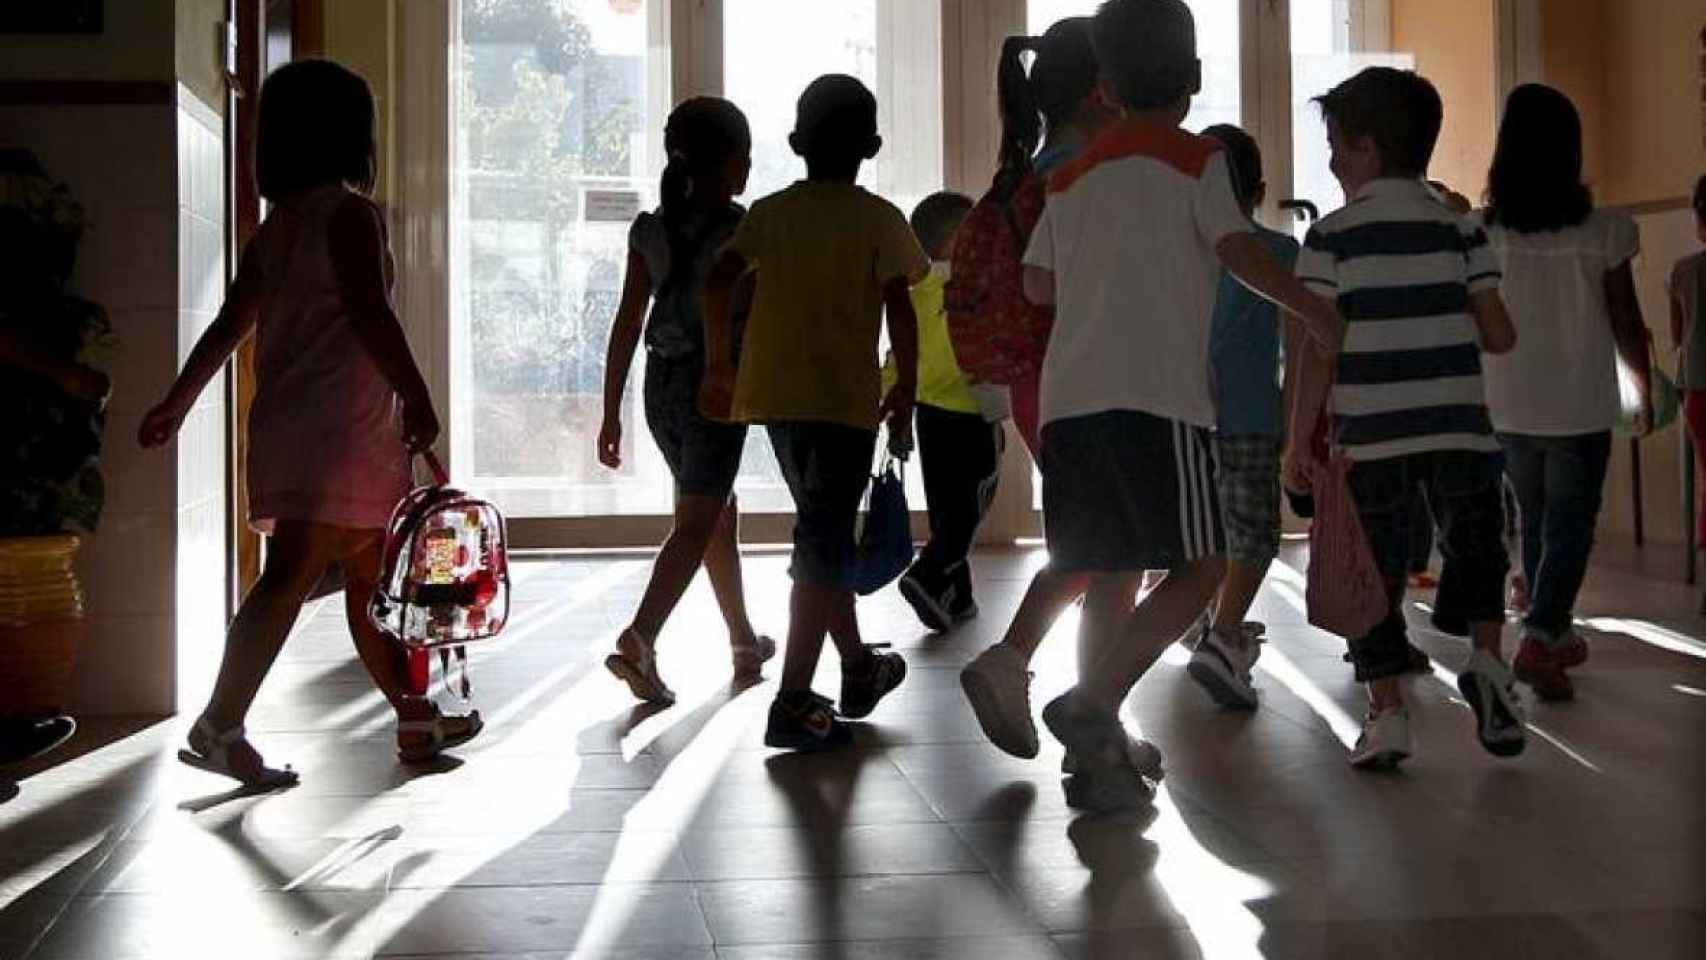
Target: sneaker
1573,651
862,687
1491,692
1423,580
804,721
1222,664
1541,665
1385,740
930,598
961,604
1105,781
635,663
998,686
1143,756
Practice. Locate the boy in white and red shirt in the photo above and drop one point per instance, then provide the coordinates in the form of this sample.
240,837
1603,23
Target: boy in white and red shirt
1130,251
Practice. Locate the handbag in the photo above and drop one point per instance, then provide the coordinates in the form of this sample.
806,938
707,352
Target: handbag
885,543
1345,592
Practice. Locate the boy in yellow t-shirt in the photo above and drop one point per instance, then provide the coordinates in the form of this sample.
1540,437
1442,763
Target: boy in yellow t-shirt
960,440
829,258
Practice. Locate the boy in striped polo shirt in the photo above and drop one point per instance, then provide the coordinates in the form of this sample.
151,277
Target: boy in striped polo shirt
1419,290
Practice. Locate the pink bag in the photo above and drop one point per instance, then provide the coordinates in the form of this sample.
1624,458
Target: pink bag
1346,594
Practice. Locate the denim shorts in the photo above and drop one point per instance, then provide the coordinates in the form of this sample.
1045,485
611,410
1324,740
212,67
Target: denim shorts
703,455
826,466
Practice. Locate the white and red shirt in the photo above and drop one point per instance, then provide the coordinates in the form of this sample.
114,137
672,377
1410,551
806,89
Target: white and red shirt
1130,232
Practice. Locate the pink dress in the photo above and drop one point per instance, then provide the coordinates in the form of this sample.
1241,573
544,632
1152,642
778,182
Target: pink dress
326,429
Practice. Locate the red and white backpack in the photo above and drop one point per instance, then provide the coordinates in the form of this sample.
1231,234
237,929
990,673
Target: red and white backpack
999,337
445,580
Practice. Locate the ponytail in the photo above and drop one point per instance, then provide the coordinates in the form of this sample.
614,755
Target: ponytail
1021,117
701,135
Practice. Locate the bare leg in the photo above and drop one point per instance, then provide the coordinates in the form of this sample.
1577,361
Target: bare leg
1047,597
296,556
1489,636
696,520
722,566
385,661
811,607
1107,608
1237,594
844,629
1162,617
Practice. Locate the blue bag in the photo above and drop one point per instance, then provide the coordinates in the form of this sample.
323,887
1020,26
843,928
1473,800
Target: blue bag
885,544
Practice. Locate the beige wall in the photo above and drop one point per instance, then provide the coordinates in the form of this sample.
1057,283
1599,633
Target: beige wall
362,37
1452,41
1573,60
130,48
1653,136
200,60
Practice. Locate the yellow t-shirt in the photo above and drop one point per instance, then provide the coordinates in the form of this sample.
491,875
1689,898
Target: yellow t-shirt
940,382
823,252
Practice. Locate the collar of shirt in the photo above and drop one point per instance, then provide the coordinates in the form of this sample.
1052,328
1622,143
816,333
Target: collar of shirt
1392,187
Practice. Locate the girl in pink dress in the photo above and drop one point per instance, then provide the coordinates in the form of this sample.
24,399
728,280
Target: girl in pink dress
339,408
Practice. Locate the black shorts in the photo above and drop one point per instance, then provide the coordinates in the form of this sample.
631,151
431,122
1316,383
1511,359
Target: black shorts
703,455
1126,491
826,466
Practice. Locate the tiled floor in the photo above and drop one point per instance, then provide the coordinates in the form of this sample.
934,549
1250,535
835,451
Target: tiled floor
582,826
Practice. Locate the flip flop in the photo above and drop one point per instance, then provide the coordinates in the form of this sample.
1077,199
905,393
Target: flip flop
217,760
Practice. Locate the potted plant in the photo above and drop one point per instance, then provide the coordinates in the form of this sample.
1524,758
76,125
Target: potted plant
53,398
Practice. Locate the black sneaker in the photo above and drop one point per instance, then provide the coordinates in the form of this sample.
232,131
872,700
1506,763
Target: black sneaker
863,686
962,606
928,595
804,721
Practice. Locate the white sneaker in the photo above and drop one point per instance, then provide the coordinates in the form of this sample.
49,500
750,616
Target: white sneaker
1490,689
998,685
1385,740
1222,664
1144,757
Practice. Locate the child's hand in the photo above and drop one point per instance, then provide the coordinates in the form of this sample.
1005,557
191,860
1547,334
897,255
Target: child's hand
895,412
1643,423
160,425
717,393
1297,471
610,443
420,424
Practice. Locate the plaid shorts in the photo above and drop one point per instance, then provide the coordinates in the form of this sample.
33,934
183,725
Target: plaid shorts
1247,472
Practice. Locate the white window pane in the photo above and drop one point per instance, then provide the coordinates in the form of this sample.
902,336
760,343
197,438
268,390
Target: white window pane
1217,47
772,50
554,99
1322,59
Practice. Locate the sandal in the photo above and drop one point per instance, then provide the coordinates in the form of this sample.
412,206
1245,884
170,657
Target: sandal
752,654
420,741
216,758
635,663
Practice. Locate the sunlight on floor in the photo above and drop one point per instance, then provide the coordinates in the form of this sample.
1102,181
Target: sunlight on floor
1210,894
1648,633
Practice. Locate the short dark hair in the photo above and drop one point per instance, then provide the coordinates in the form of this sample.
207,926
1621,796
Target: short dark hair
315,129
1535,183
1148,51
1243,158
835,120
1399,109
1700,198
936,218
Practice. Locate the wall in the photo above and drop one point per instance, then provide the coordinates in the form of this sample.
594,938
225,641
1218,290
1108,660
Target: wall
1574,61
199,56
1652,135
1453,43
362,37
144,155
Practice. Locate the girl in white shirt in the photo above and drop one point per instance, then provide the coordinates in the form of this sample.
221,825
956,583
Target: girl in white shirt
1554,399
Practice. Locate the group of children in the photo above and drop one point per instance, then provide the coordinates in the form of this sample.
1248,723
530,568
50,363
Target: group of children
1152,400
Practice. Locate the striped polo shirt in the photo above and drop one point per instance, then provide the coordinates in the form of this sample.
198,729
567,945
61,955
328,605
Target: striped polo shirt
1402,267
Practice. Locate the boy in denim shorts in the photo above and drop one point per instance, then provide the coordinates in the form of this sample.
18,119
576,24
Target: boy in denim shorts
1419,289
829,259
1130,250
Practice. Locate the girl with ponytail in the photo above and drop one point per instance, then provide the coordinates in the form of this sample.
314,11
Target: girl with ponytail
1047,116
669,254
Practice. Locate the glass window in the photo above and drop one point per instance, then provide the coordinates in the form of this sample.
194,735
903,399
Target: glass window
772,50
1321,58
557,123
1217,47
